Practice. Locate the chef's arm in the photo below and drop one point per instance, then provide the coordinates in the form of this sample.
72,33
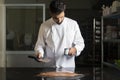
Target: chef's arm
78,42
39,47
76,49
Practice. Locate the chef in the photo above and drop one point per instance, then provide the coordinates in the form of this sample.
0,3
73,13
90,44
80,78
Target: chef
59,38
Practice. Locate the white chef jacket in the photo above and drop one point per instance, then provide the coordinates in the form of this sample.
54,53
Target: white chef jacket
53,38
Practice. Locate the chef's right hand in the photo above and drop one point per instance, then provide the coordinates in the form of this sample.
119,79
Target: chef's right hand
38,55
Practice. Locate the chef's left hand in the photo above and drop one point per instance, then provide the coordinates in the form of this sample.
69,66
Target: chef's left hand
72,51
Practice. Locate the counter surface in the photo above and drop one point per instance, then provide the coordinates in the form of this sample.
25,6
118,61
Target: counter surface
30,74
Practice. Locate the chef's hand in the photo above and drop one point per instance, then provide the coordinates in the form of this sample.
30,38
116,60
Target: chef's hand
72,51
38,55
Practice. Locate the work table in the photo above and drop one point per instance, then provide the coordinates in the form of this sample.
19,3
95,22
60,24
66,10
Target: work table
30,74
